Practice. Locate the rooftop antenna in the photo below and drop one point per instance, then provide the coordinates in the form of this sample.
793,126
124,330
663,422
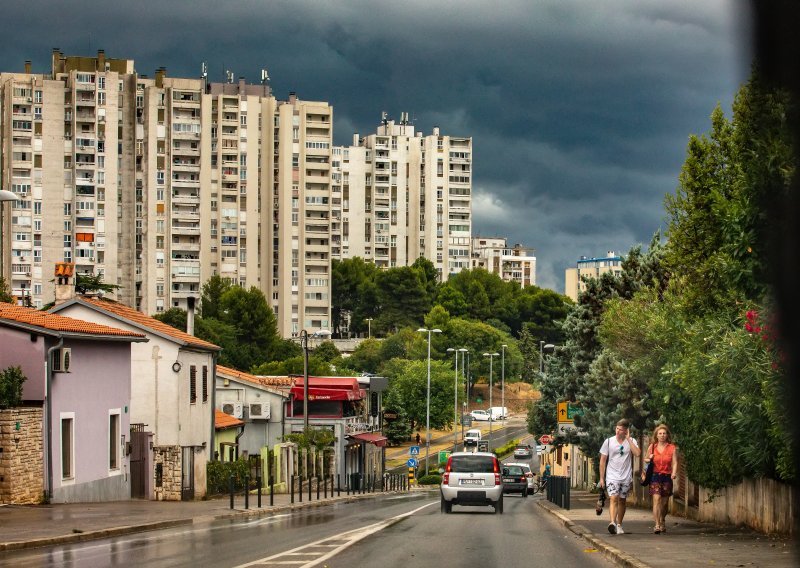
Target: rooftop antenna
204,70
229,75
264,76
384,120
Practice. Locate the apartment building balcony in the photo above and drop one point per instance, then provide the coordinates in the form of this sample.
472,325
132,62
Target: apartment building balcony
186,214
185,198
181,135
184,167
83,100
185,229
185,150
185,183
85,116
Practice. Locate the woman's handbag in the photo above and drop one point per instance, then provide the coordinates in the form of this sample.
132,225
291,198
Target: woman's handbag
648,473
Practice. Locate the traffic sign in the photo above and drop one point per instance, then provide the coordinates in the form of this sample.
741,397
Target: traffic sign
545,439
568,410
412,462
564,427
413,450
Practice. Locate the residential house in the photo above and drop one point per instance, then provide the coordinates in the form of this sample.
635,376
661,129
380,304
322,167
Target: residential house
255,401
172,400
228,429
68,441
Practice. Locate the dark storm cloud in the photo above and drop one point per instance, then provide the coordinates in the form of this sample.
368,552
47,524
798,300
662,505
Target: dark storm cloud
579,110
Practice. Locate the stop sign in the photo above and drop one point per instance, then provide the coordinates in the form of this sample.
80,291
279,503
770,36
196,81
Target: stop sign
545,439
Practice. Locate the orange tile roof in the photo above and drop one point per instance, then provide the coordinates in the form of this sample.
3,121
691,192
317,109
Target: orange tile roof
140,319
255,379
55,322
224,421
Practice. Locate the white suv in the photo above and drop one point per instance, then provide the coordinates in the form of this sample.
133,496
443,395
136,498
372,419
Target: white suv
472,479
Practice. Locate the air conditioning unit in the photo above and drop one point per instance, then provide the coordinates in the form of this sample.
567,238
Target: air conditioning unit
259,410
235,409
61,360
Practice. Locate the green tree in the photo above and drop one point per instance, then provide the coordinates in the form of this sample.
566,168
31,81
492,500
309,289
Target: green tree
366,357
326,351
176,317
5,291
212,293
348,303
92,283
11,381
408,392
403,298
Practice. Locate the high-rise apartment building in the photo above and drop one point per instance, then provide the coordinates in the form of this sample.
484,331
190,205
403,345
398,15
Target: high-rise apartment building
156,184
590,268
398,195
512,263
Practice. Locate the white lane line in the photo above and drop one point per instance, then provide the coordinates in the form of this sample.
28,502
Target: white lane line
346,539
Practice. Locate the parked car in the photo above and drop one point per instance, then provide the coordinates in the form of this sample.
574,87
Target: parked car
529,475
472,437
480,415
498,412
514,479
472,479
523,451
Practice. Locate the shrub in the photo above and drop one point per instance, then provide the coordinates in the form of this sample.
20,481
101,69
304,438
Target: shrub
218,476
430,479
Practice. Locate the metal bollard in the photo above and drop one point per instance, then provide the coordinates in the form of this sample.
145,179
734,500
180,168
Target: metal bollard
309,489
271,491
317,488
291,491
246,492
338,485
300,488
230,489
258,482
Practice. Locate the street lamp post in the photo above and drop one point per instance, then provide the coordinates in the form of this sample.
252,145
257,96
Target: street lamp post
369,328
503,379
5,195
542,347
304,339
455,399
428,399
491,357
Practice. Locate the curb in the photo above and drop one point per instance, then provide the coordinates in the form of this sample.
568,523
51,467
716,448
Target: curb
145,527
613,554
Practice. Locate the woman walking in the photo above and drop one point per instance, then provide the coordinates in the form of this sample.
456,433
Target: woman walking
663,454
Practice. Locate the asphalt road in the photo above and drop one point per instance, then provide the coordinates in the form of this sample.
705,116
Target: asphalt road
389,531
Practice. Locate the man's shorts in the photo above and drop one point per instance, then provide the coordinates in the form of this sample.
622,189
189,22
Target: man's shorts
618,488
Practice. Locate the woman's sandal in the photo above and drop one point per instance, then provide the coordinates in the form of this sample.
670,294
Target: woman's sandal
657,530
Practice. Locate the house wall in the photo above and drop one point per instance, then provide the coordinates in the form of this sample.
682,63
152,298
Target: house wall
97,385
167,485
257,433
22,456
17,349
225,437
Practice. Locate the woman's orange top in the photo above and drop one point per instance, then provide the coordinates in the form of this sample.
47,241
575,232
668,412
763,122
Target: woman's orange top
662,459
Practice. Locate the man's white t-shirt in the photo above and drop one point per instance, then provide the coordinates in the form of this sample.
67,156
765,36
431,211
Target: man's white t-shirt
619,466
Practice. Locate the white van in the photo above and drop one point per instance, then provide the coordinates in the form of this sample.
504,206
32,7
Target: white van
472,437
498,412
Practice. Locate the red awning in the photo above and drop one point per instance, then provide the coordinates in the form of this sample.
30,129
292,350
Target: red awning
371,437
316,393
328,388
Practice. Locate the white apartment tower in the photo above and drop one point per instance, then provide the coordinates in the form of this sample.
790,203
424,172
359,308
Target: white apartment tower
512,263
397,195
590,268
159,183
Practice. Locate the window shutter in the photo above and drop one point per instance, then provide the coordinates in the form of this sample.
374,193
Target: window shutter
192,384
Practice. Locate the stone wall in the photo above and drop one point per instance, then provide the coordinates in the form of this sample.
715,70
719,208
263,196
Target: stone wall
21,455
167,471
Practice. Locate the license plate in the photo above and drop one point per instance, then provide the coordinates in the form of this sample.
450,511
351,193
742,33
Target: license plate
472,482
509,480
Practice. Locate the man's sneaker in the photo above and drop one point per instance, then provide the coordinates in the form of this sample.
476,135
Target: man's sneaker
612,528
619,530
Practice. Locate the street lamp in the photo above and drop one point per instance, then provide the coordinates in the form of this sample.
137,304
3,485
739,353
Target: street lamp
5,195
542,347
369,327
455,399
304,338
428,400
491,357
503,380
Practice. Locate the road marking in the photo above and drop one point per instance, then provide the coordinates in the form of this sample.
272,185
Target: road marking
335,543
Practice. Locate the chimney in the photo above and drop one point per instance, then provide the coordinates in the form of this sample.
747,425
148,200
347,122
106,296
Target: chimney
436,131
190,315
292,97
355,139
161,72
27,67
65,286
101,60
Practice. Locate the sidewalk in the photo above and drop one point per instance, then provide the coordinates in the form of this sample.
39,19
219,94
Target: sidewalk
686,543
31,526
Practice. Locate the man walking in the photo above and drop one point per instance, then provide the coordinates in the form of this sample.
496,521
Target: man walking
616,471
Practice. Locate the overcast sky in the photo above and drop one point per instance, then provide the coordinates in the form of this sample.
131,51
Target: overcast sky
579,111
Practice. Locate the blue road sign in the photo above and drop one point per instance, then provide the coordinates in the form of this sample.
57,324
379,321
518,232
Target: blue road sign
411,462
414,451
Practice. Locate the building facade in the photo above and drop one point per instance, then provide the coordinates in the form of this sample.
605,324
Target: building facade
590,268
398,195
513,264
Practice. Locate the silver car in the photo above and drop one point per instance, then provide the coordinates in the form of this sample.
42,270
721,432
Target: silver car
472,479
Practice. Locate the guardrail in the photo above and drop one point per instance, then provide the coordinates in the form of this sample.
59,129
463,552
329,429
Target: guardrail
558,491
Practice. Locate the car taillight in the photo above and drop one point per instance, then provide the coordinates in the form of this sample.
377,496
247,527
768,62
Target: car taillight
446,478
496,471
497,479
449,467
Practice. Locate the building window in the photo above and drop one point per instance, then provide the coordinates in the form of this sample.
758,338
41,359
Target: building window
113,440
205,383
192,384
67,447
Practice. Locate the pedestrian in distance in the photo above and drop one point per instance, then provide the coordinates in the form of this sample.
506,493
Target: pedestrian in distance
663,453
616,472
418,438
